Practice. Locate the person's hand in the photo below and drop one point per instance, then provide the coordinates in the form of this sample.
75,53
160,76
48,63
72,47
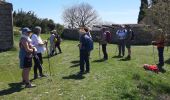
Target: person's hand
45,42
153,42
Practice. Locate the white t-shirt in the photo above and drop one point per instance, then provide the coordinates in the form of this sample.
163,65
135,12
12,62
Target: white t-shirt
36,40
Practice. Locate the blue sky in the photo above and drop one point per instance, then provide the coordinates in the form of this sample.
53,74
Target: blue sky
114,11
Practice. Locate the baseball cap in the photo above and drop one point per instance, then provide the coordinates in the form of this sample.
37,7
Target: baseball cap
26,30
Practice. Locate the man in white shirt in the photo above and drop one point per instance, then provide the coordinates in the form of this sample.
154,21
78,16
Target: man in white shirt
39,44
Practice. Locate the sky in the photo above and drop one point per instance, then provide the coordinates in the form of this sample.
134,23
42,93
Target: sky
112,11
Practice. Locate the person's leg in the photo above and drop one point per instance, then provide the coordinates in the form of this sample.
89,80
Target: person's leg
35,68
161,57
119,46
104,51
58,46
81,61
86,58
39,63
26,75
123,47
106,55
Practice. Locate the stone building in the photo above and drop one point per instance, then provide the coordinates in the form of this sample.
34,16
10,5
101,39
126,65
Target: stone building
6,26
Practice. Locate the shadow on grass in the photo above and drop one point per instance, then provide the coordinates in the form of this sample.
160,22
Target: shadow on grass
74,76
76,63
99,60
14,87
167,61
117,57
124,59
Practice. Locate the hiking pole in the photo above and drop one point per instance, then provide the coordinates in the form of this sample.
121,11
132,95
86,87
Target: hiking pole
48,58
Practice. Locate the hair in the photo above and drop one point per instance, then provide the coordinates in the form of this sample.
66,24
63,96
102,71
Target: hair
86,29
37,29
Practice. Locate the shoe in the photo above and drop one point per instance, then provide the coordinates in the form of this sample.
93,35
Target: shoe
29,85
128,57
87,71
42,75
35,76
23,82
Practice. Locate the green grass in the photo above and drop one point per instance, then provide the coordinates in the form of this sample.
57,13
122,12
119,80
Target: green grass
110,80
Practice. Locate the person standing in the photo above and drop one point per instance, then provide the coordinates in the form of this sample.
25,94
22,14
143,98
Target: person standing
39,44
121,34
52,43
86,45
58,42
25,56
160,43
103,42
129,39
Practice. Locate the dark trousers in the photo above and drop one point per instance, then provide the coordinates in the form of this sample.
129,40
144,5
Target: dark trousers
38,64
104,51
161,55
121,46
58,46
84,59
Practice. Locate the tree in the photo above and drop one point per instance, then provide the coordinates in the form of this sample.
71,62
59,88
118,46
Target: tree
142,12
80,15
160,15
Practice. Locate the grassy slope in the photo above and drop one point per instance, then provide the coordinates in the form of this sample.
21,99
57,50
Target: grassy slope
109,80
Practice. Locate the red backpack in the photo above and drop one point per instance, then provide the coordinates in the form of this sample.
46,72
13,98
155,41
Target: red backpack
108,37
153,68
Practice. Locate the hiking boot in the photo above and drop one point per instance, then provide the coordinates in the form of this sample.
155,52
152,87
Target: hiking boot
42,75
87,71
35,76
128,57
29,85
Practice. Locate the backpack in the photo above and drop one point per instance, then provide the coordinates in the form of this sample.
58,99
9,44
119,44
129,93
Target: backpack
89,43
108,37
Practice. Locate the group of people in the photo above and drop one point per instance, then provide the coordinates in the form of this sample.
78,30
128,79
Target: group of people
125,36
32,46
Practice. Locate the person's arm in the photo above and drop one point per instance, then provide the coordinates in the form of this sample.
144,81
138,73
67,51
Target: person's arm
27,47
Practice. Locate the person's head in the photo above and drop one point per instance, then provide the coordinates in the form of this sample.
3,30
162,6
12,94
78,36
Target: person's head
82,30
86,29
26,31
127,27
37,30
103,29
53,32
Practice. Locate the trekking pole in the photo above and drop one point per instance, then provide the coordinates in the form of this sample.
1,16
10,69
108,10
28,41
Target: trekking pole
48,58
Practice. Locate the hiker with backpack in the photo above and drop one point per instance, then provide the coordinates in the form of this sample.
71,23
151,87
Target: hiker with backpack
86,45
160,43
103,42
121,34
58,42
52,43
25,56
39,44
129,39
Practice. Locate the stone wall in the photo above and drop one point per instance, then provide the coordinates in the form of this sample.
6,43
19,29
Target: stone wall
142,36
6,26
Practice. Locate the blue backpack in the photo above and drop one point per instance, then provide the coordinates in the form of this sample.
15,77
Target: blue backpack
89,43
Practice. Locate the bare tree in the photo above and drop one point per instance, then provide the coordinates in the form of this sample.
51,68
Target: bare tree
80,15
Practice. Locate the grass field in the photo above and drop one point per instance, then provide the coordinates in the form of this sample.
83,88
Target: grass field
114,79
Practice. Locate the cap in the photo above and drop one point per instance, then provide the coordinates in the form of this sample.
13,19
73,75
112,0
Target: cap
26,30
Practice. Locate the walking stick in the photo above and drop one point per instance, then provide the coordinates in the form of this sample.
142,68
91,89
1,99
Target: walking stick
48,58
